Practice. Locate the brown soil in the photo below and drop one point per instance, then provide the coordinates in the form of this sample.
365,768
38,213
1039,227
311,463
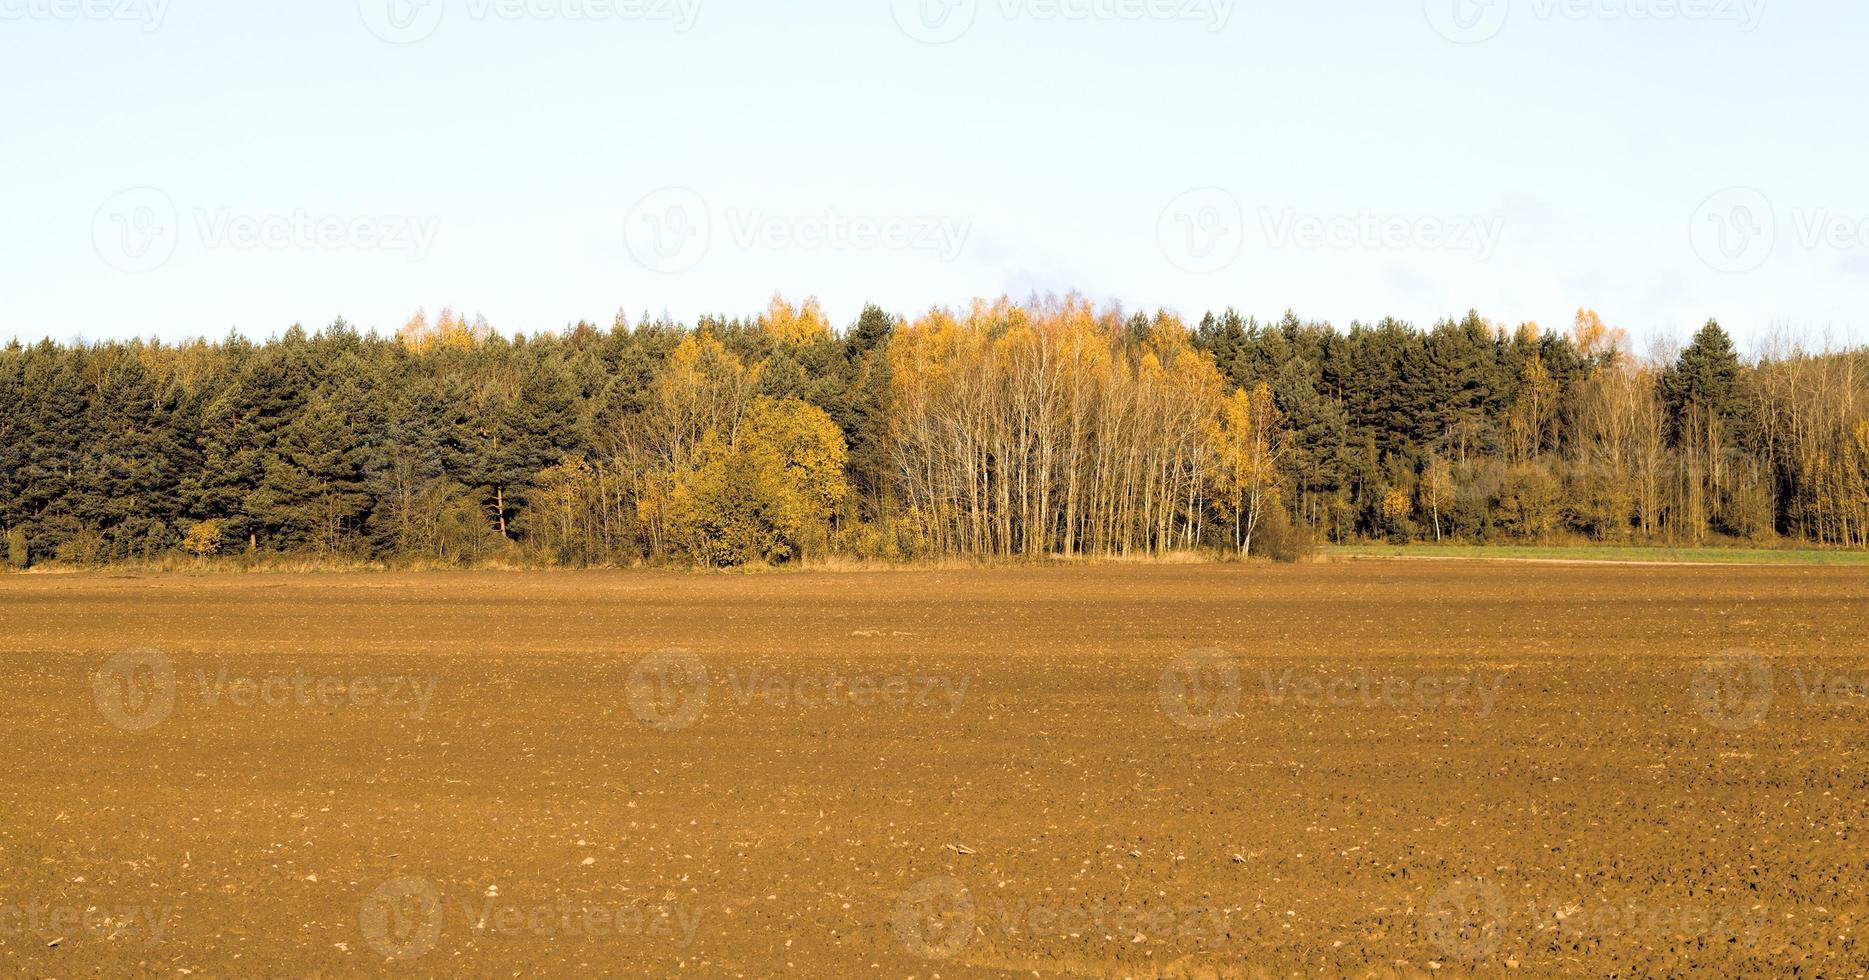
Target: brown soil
1364,768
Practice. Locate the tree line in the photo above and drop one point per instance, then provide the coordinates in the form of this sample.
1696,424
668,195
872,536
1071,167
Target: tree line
1000,430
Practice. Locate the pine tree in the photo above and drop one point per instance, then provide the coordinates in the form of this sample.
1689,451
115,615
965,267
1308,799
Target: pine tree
534,428
312,494
1706,381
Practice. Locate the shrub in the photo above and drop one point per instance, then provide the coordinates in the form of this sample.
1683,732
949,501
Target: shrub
203,539
85,547
1284,541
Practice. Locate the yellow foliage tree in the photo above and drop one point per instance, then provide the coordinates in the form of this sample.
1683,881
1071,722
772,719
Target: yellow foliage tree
1594,339
1534,413
1246,444
449,330
203,538
796,326
703,388
1397,506
767,496
799,454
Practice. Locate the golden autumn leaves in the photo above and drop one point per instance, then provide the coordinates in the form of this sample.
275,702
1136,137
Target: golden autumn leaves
1249,442
766,496
732,477
1046,429
1014,430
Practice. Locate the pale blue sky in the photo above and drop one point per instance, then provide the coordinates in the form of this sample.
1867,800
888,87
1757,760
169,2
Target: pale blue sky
495,162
